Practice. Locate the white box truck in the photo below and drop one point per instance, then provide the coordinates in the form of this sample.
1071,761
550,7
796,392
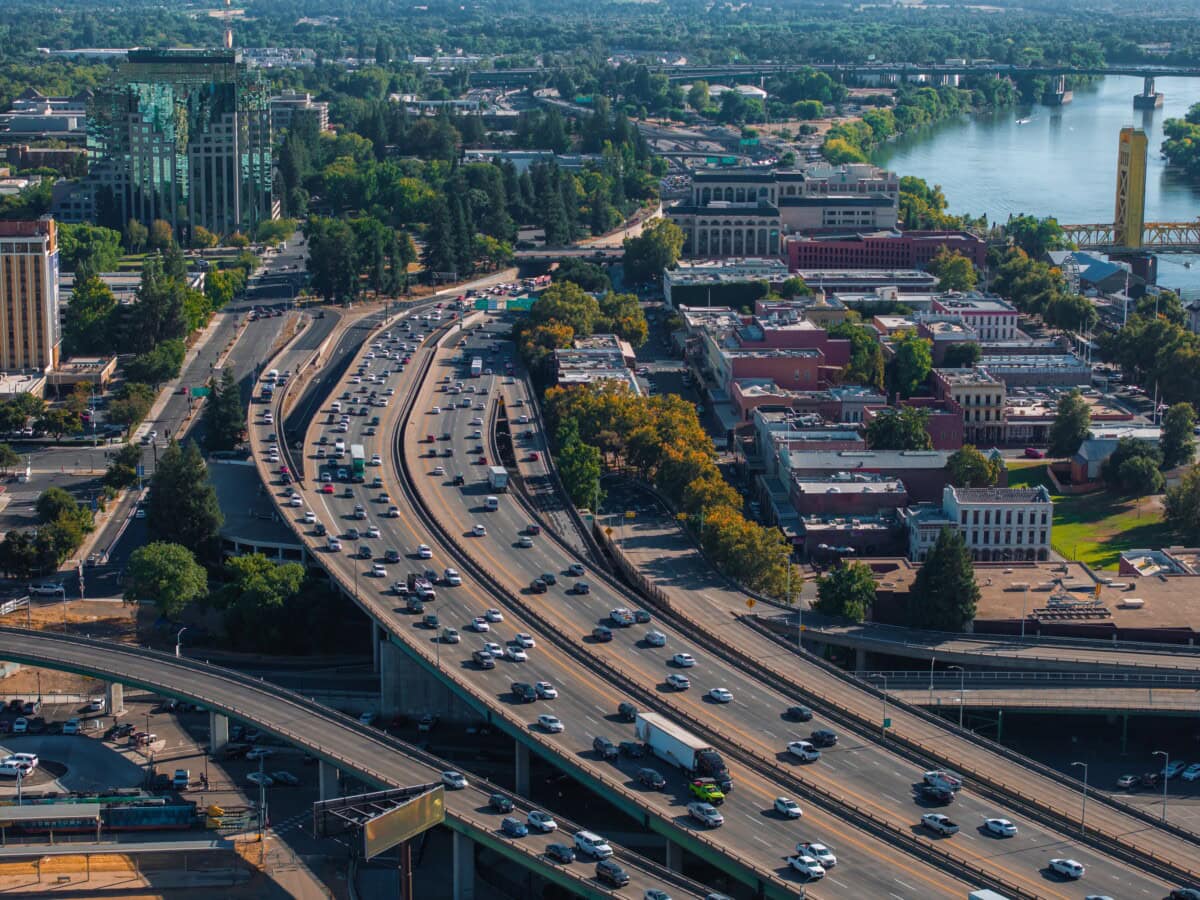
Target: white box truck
985,894
674,745
498,478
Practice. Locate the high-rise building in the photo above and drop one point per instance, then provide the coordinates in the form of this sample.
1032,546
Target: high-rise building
184,136
292,105
29,332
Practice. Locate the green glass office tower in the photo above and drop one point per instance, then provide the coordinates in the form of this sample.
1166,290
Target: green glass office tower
184,136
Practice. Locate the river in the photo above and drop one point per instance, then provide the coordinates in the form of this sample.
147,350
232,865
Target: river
1062,162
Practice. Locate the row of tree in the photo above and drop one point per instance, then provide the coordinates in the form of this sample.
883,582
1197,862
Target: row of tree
62,525
564,312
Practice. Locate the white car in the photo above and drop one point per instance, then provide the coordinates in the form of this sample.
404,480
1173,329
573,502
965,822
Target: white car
944,780
550,724
1000,827
452,578
296,500
720,695
494,615
655,639
788,808
546,691
1192,772
679,682
684,660
479,530
513,653
455,781
807,866
1068,868
423,552
819,852
378,570
310,517
523,640
542,821
493,648
480,625
803,750
376,460
525,541
706,814
373,531
439,470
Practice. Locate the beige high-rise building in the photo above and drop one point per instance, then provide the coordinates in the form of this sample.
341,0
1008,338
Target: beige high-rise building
29,329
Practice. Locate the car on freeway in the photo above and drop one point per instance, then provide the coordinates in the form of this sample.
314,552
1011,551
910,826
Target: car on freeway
523,640
683,660
611,873
820,852
720,695
541,821
806,866
537,586
804,751
479,530
788,808
940,779
1067,868
479,625
575,570
310,517
706,789
493,648
455,781
494,615
513,827
560,853
372,531
439,470
450,636
651,778
605,748
423,552
525,541
1000,827
632,749
451,577
940,796
513,653
823,737
655,639
678,682
378,570
549,578
1184,893
1192,772
655,894
500,803
939,823
546,691
706,814
798,714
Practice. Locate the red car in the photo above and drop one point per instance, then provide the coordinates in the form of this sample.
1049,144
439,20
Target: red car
327,488
533,456
1034,453
483,460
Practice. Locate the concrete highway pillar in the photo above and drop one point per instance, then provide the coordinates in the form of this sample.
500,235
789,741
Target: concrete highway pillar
218,731
376,636
860,659
522,770
327,780
391,678
115,699
674,857
464,867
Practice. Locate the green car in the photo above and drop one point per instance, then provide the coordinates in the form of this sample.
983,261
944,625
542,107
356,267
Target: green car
706,789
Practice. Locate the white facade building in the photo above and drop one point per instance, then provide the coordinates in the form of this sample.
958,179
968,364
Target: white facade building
998,524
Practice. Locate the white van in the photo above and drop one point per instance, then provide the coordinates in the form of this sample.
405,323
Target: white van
491,504
591,844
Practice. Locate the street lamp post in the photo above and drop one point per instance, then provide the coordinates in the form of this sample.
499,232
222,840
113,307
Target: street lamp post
962,691
1166,765
179,641
1083,811
1024,586
931,659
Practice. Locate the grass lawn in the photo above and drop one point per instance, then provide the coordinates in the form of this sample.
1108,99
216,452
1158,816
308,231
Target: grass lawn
1096,528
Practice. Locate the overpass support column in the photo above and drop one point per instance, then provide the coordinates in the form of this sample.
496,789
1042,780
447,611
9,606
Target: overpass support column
376,636
218,731
860,659
674,856
1124,733
327,780
391,678
464,867
521,780
115,698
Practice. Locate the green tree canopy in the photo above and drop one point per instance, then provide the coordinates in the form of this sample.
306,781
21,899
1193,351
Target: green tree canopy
90,320
944,593
166,575
962,355
911,364
899,428
589,276
183,508
866,355
954,271
224,416
1181,507
88,250
1072,420
1178,440
970,468
655,249
848,590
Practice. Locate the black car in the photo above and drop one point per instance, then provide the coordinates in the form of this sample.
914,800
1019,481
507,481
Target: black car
651,779
537,586
549,577
560,853
641,616
632,749
605,748
610,872
798,713
500,803
1185,893
823,737
627,712
938,795
602,634
321,530
523,693
459,480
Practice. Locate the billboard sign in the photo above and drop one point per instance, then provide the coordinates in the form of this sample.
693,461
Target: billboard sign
397,825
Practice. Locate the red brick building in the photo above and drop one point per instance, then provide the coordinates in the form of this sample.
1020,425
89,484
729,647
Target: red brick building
879,249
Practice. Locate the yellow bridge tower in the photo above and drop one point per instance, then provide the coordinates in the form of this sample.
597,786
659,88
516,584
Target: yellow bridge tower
1129,217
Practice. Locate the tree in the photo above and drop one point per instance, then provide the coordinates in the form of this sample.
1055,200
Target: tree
183,507
1132,468
1178,439
848,591
202,238
160,364
224,417
1181,507
136,235
899,428
9,458
89,323
911,363
579,466
954,271
944,593
131,404
1035,236
162,236
969,467
1072,421
255,598
866,355
166,575
60,421
88,250
655,249
962,355
698,97
54,502
122,467
794,287
331,260
588,276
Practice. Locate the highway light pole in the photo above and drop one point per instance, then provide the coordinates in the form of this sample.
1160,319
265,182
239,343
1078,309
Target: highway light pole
962,691
179,641
1166,765
1023,586
883,723
1083,812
